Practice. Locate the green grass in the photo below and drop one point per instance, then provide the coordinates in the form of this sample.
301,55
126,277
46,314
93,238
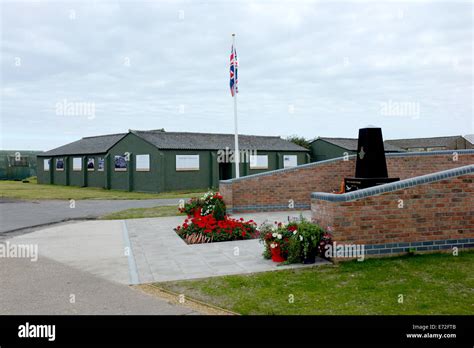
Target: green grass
33,191
138,213
430,284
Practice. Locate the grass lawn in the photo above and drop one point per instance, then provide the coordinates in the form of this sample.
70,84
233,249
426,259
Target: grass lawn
430,284
34,191
138,213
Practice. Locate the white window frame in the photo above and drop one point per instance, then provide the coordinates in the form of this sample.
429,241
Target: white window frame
255,162
47,164
294,161
74,161
189,166
144,157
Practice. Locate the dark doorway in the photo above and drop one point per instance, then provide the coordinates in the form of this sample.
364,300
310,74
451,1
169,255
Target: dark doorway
225,171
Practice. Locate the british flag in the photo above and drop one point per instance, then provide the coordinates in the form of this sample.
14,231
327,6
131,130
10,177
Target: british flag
233,71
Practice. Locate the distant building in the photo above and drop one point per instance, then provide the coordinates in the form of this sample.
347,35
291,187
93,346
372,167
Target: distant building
457,142
327,148
157,161
17,164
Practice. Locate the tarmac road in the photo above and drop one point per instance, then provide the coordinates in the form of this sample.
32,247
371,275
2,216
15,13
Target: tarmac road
48,287
15,215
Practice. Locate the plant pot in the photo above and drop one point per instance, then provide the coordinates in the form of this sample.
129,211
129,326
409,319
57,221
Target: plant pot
276,255
310,257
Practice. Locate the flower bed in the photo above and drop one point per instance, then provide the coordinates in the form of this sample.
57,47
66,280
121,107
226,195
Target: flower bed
207,222
295,242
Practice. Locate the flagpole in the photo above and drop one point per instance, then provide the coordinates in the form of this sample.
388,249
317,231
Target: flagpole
236,134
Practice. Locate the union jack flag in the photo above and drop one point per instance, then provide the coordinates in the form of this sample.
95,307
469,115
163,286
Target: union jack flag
234,65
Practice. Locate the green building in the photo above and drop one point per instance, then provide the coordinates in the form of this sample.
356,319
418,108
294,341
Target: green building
158,161
327,148
17,164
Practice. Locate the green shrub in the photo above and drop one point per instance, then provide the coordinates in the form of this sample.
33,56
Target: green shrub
297,240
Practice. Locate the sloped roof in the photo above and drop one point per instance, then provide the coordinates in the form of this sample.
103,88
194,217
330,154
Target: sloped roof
351,144
177,141
447,141
215,141
87,145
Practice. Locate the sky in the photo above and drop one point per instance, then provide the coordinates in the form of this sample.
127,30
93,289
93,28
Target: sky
307,68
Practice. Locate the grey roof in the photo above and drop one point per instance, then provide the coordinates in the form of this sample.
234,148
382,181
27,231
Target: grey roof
448,141
214,141
177,141
351,144
87,145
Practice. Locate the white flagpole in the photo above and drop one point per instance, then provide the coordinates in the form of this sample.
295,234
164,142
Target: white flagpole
236,134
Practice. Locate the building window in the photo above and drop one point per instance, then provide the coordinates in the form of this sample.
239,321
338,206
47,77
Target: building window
60,164
120,163
187,162
90,164
259,162
77,164
416,149
437,148
100,164
290,161
46,163
142,163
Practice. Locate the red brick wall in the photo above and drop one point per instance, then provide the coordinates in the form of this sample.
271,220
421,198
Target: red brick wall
257,193
435,211
281,186
405,167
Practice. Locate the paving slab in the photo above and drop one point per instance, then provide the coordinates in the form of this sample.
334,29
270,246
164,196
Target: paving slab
161,255
93,246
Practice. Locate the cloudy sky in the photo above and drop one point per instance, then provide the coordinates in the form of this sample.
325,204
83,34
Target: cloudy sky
74,69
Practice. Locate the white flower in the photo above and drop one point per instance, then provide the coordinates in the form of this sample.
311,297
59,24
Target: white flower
274,234
301,238
294,232
280,236
273,245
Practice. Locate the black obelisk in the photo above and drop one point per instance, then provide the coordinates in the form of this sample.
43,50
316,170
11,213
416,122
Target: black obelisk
371,167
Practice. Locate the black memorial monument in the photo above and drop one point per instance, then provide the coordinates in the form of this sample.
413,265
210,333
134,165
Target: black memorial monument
371,167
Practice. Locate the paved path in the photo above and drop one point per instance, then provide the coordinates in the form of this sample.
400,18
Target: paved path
96,260
16,215
148,250
160,255
47,287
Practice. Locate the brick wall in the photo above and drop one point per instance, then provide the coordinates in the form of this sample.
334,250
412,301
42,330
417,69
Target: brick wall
435,215
405,166
273,190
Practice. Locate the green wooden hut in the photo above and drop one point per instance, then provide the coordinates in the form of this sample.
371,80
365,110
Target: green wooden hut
158,161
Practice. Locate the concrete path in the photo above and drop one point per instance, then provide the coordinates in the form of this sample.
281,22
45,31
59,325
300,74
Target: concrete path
96,247
16,215
160,255
49,287
148,250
